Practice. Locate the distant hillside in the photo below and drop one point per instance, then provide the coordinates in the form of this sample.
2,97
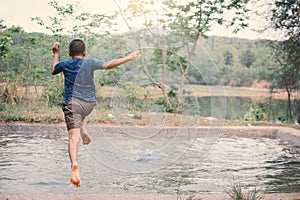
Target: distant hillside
239,61
217,46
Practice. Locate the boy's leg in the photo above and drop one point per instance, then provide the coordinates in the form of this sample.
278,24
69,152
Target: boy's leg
74,117
87,109
86,139
73,121
74,138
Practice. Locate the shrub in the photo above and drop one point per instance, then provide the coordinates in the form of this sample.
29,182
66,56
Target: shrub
235,192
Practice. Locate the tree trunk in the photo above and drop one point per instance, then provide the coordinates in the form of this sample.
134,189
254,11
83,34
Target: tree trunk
183,76
289,106
163,85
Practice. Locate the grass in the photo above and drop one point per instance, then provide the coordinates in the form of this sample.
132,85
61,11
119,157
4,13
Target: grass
197,90
34,112
39,112
235,192
228,91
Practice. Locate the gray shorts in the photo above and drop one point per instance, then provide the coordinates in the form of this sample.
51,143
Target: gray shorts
76,111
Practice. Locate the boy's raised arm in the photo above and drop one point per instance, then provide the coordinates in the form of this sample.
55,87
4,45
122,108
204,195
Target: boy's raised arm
55,50
114,63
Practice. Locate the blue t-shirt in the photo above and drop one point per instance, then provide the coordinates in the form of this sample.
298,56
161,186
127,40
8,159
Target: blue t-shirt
79,78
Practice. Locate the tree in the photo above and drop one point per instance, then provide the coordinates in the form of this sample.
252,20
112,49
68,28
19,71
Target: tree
5,41
190,20
86,26
247,58
58,24
194,20
285,17
228,58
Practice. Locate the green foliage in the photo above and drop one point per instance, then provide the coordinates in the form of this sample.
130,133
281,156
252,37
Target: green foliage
53,94
228,58
172,94
85,24
195,19
28,59
29,55
9,93
285,18
89,24
272,110
235,192
15,65
5,43
256,113
247,58
17,118
16,62
3,105
190,20
57,24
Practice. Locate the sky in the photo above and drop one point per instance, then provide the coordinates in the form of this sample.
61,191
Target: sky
19,13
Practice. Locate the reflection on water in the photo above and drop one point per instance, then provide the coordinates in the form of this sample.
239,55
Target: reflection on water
237,107
38,163
229,107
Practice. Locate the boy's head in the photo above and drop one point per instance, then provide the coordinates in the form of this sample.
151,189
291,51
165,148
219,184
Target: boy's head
77,48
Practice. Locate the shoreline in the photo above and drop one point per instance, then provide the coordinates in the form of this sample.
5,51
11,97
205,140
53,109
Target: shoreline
238,130
4,196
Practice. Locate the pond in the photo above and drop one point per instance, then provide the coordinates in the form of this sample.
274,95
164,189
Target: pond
237,107
228,107
115,162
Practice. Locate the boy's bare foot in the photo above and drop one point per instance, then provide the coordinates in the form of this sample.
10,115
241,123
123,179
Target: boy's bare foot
86,139
75,179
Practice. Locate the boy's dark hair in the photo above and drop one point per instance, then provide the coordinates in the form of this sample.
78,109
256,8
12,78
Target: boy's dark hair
77,47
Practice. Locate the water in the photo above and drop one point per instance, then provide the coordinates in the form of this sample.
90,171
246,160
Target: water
237,107
39,163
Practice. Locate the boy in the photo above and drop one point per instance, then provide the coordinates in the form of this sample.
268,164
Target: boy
80,94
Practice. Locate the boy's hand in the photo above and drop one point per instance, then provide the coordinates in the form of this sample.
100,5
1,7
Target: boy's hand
55,48
134,55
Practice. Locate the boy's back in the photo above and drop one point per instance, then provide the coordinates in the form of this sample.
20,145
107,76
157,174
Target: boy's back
79,78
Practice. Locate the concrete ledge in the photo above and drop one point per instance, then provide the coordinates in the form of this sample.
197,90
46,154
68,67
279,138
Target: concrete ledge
227,130
290,135
286,196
